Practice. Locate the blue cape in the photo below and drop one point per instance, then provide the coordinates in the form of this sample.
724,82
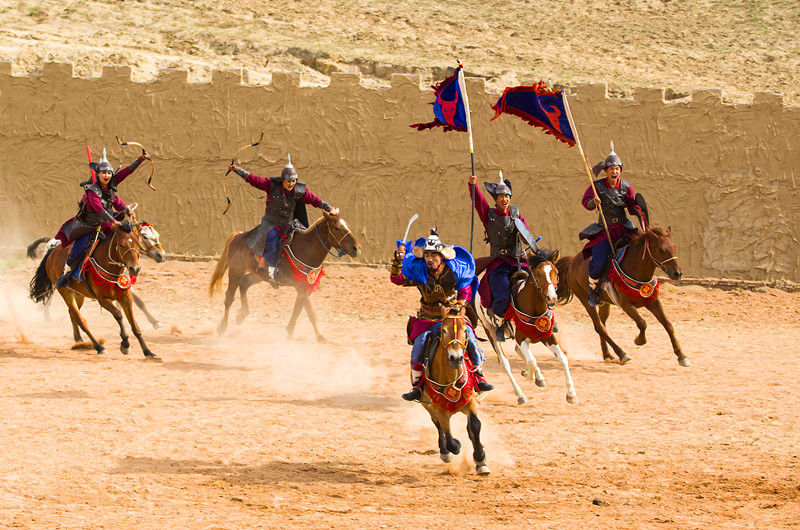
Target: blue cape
463,267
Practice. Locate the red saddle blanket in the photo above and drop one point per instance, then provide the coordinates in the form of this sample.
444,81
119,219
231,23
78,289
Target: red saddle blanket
453,396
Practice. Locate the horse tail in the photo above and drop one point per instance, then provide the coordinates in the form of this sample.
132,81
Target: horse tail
33,246
41,288
222,265
563,292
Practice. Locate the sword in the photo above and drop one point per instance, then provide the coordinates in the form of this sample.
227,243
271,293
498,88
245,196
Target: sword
408,228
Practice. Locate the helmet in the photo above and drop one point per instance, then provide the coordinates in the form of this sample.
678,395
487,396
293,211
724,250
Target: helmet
612,159
102,165
289,172
433,243
502,187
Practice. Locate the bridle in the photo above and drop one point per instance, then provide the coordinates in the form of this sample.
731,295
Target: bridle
539,287
143,240
338,245
457,341
121,257
659,264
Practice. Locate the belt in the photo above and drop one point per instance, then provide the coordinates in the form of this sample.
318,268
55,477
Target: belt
614,220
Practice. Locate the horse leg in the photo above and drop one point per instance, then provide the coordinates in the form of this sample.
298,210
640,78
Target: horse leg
127,307
631,311
552,343
501,356
474,431
76,332
298,305
600,329
109,306
247,281
657,309
75,315
312,316
533,372
234,278
150,318
444,453
604,310
452,444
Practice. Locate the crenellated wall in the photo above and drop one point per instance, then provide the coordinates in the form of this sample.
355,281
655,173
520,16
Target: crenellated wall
721,175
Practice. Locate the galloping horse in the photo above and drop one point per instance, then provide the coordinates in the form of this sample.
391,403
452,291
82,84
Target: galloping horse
449,387
533,298
110,271
149,241
634,286
301,268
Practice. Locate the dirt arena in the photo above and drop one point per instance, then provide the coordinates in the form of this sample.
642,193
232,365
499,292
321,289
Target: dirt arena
249,430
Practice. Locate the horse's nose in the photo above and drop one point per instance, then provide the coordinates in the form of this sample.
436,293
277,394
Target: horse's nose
677,275
159,257
356,251
134,270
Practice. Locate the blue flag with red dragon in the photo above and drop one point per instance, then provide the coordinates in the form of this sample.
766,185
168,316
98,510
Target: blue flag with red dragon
449,109
540,107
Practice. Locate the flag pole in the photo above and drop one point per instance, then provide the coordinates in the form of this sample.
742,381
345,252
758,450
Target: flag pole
463,86
586,165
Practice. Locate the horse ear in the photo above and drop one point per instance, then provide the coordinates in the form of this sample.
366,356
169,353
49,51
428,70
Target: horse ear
669,231
555,256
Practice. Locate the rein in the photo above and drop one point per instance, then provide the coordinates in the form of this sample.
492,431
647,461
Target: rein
122,257
659,264
338,241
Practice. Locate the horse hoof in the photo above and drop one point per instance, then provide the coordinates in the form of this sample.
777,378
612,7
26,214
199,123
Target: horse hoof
221,330
625,359
321,339
157,325
521,400
150,356
684,362
124,350
572,398
482,469
540,383
240,319
446,457
640,341
102,352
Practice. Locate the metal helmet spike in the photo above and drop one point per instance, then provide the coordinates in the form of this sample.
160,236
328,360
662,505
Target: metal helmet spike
289,172
612,159
501,178
103,164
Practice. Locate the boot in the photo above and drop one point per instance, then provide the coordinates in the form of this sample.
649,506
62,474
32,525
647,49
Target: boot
594,293
416,391
63,280
273,276
483,384
498,324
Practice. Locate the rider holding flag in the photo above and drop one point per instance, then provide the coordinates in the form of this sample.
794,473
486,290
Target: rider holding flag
445,276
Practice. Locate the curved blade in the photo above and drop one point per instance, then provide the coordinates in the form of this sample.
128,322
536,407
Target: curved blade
413,218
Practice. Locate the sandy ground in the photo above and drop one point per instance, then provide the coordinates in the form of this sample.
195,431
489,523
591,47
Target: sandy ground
249,430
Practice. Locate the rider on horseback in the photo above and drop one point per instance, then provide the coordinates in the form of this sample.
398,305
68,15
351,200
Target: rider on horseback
284,195
95,210
614,195
444,276
504,246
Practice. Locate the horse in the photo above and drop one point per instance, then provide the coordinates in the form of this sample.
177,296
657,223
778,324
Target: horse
634,286
149,242
304,253
533,298
457,393
111,269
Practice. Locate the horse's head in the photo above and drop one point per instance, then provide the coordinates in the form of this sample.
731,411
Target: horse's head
124,249
545,274
454,335
659,246
339,236
150,241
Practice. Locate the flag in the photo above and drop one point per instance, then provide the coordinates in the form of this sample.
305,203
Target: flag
540,107
449,109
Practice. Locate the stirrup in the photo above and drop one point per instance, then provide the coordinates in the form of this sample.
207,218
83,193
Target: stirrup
63,281
595,298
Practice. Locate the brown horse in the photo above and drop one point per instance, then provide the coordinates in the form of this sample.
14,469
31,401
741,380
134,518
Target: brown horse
149,242
309,247
115,258
647,251
444,372
533,298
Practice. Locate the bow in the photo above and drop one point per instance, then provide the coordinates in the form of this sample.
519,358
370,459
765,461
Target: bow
152,171
233,161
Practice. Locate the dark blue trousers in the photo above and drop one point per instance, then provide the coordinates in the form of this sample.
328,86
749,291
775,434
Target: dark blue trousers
600,254
271,248
501,290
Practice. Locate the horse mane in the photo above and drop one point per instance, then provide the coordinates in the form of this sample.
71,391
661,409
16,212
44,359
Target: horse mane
539,256
652,230
126,226
312,227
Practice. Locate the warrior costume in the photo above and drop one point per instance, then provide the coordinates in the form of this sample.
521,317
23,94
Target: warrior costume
95,210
